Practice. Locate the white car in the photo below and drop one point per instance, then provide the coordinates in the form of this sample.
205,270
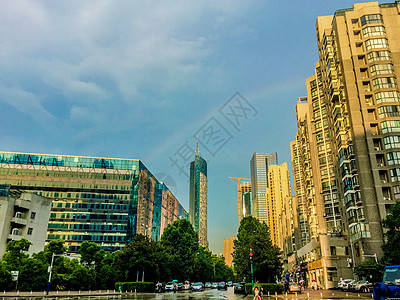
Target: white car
171,286
344,284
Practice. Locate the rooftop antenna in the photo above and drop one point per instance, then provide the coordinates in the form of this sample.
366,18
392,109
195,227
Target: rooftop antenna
197,145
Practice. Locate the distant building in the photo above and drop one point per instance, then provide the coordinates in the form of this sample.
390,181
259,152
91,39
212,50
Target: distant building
102,200
259,182
245,207
198,196
229,247
277,193
26,216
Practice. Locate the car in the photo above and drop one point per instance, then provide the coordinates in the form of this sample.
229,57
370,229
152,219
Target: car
222,286
344,282
214,285
207,285
197,286
171,286
229,283
294,288
347,284
389,288
363,286
238,288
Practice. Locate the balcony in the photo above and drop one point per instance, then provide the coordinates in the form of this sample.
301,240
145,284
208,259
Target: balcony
19,221
24,204
15,235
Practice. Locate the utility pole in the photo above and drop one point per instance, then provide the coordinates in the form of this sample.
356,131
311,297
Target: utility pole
238,179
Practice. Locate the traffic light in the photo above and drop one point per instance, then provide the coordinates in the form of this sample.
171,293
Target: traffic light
251,254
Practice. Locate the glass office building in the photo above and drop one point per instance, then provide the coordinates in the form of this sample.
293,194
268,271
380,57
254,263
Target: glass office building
102,200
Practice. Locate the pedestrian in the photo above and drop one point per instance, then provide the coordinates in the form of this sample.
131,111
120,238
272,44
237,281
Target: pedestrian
259,287
302,284
286,284
256,294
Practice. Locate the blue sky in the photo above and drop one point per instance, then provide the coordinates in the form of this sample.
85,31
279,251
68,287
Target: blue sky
139,79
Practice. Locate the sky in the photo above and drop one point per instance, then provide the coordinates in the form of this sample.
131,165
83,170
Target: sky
143,79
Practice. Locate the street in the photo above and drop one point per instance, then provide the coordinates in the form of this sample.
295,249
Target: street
207,294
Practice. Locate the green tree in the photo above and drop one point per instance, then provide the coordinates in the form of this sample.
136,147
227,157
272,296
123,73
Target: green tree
203,265
5,277
391,250
181,243
91,254
266,257
137,256
15,255
370,270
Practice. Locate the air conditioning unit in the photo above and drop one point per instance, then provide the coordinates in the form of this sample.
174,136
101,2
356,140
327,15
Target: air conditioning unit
377,149
380,165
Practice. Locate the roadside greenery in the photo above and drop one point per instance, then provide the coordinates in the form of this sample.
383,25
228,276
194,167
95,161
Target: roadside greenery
266,259
177,256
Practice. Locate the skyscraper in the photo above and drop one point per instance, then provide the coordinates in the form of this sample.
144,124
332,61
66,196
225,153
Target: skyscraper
198,196
259,182
229,247
245,200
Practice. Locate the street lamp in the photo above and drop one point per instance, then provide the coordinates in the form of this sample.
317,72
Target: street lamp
51,271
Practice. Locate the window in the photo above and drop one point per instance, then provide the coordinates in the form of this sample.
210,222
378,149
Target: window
390,126
395,175
390,96
33,215
391,142
373,31
376,43
381,69
389,111
371,19
384,83
393,158
30,230
378,56
333,250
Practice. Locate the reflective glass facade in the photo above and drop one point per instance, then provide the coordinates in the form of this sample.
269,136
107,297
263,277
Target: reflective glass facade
103,200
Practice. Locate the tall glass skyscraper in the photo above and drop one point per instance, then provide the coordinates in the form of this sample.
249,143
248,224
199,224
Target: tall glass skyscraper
259,182
103,200
198,197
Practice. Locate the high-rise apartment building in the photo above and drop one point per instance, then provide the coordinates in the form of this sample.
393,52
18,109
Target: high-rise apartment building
26,216
103,200
198,196
277,194
259,164
349,124
229,247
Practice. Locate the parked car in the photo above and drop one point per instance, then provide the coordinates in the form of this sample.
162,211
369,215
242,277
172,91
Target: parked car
238,288
344,284
171,286
229,283
214,285
222,286
389,288
207,285
363,286
197,286
294,288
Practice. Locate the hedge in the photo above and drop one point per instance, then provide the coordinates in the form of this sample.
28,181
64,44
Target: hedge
140,287
267,287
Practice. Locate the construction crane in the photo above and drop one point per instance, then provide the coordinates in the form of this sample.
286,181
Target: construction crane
238,179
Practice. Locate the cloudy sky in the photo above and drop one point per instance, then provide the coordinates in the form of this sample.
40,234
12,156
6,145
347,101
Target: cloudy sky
141,79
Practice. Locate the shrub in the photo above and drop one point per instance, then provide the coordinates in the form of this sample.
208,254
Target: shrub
140,287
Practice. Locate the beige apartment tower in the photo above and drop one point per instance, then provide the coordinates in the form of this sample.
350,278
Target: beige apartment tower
229,247
346,156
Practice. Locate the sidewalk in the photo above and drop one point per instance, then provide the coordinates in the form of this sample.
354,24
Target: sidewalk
319,294
55,294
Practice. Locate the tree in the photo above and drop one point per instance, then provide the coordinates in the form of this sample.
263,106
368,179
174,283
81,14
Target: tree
370,270
5,277
391,250
15,256
137,256
266,257
91,254
181,243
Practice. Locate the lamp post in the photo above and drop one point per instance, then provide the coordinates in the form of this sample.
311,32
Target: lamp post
51,271
251,268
